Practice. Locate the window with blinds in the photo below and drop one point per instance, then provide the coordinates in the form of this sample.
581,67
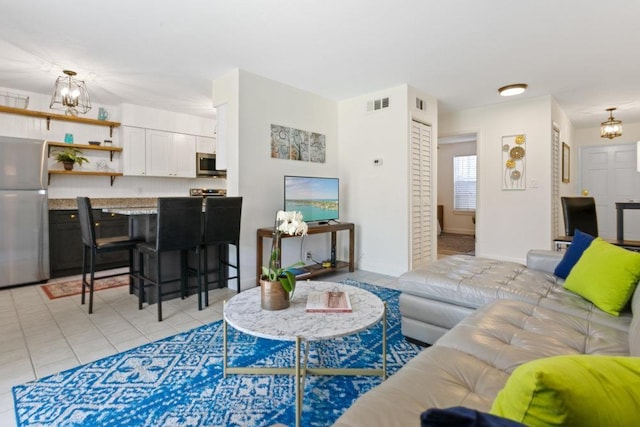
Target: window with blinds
464,183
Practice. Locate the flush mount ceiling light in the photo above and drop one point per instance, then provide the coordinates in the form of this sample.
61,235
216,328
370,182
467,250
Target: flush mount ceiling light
70,94
511,90
612,127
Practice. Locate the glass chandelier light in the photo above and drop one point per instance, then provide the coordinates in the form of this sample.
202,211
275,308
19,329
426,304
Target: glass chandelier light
70,94
612,127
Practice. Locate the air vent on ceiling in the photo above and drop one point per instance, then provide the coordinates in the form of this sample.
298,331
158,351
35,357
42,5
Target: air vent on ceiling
378,104
421,105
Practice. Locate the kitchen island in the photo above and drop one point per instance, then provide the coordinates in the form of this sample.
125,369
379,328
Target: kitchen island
65,244
113,216
142,224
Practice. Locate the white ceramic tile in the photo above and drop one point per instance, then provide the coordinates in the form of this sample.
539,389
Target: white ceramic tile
16,372
128,345
54,352
8,418
55,367
7,357
94,350
44,339
6,406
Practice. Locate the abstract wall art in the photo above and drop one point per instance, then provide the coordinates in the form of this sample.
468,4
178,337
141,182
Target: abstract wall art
296,144
514,162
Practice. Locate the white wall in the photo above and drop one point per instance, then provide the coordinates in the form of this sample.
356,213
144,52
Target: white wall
376,198
509,223
261,102
460,222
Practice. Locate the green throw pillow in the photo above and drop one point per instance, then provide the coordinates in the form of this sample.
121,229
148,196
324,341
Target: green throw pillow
606,275
574,390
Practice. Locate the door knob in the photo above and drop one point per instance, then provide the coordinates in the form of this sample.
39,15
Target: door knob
585,192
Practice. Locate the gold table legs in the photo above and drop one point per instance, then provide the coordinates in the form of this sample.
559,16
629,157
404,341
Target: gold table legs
300,369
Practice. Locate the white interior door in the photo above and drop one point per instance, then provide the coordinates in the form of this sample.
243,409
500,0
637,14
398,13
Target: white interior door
609,174
421,215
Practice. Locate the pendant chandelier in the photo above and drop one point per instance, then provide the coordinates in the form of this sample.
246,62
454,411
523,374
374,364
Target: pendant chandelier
70,94
612,127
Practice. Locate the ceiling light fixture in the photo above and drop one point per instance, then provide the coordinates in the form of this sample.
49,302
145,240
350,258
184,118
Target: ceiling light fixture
511,90
70,94
611,128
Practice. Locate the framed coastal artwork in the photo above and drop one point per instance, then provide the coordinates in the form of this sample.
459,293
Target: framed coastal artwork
295,144
514,155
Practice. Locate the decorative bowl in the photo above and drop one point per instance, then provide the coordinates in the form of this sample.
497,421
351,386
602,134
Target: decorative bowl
94,142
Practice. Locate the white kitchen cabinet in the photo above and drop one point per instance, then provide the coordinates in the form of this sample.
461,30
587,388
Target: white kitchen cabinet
159,153
134,151
171,154
184,155
205,144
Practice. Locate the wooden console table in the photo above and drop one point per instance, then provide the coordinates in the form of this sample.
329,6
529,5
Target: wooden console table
311,270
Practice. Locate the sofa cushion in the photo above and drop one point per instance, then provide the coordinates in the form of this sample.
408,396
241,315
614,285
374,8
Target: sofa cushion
438,377
472,282
579,244
576,390
506,334
606,275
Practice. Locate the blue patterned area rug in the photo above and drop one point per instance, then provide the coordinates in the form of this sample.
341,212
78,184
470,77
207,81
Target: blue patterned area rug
178,381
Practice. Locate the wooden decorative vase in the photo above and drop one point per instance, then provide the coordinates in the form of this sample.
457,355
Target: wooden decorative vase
273,296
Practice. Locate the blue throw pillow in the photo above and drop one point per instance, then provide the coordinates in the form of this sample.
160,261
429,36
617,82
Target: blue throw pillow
579,244
459,416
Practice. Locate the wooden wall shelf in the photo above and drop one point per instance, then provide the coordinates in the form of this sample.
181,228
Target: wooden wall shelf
61,117
111,150
83,146
113,175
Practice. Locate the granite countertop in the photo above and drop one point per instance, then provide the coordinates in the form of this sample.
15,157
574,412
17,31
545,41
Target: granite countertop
133,202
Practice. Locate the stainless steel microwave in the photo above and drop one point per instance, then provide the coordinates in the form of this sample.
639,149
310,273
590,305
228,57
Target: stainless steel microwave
206,165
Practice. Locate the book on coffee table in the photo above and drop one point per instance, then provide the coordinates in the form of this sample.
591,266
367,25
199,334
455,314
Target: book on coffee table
328,302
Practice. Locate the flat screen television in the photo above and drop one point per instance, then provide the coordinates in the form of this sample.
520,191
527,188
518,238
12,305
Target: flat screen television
317,198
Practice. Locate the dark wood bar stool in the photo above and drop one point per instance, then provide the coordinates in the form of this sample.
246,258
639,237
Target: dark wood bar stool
221,227
92,246
178,228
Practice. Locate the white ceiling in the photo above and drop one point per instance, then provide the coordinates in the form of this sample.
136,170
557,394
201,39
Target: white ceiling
165,53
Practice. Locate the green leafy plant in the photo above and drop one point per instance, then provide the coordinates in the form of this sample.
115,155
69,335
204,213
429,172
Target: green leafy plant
71,154
290,223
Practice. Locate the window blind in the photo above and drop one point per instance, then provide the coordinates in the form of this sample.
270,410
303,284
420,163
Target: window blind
464,183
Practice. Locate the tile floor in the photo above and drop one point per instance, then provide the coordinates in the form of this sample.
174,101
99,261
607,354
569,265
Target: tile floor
39,337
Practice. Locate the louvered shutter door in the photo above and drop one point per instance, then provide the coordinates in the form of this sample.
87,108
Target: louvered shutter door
420,194
555,203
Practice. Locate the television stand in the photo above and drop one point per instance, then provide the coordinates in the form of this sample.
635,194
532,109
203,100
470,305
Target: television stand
313,270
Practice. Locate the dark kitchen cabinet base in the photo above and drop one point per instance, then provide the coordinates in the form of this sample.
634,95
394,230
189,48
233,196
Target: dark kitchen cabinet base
65,242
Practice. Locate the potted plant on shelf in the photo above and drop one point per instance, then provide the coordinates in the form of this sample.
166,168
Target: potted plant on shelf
278,284
69,156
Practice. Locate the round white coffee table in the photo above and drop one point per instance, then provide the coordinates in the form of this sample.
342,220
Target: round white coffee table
243,313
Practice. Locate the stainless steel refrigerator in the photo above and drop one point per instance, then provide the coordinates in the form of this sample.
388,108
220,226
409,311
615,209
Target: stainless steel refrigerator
24,211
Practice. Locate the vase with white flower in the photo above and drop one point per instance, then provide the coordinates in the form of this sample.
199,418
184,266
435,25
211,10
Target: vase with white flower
278,284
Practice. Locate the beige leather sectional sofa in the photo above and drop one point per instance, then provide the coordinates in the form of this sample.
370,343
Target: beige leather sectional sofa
484,319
